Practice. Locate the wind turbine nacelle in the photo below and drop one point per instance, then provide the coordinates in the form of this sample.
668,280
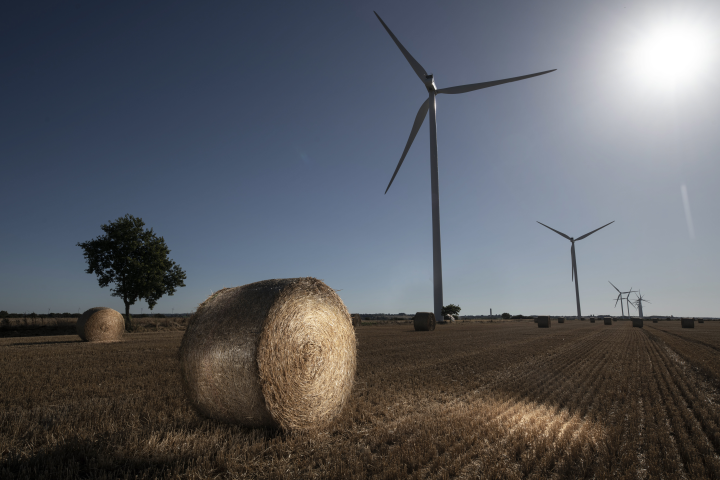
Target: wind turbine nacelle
430,82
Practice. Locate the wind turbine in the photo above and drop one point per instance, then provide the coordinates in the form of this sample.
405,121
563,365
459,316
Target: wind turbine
638,302
429,104
628,302
574,265
620,299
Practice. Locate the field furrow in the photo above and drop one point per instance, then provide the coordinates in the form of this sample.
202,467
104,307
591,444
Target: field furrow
685,413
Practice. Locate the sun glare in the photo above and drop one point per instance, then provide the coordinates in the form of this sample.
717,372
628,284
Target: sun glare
671,56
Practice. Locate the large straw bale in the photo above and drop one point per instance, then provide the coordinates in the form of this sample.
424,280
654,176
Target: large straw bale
701,320
424,321
561,319
543,321
608,321
637,322
592,319
687,322
276,353
100,324
356,319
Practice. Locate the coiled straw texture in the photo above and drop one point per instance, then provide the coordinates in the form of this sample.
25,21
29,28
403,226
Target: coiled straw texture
276,353
100,324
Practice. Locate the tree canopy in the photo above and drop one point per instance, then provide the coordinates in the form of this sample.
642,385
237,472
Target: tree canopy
135,260
451,309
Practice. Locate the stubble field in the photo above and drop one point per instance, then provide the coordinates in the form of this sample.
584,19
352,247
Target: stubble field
494,400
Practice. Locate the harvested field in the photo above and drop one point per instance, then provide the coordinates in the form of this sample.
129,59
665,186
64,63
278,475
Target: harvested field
464,401
27,327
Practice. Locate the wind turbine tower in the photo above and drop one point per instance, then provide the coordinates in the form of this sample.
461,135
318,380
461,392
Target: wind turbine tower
622,309
638,301
574,264
628,302
429,104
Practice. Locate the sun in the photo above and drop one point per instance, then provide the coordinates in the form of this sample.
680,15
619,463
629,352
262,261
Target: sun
671,56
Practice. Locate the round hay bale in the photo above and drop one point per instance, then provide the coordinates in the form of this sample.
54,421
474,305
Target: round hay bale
544,321
276,353
607,321
356,319
637,322
561,319
687,323
424,321
100,324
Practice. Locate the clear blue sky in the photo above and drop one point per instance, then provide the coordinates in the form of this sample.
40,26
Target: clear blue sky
258,139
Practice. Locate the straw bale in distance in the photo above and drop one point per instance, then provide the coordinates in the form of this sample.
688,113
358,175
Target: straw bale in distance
561,319
275,353
637,322
543,321
655,320
424,321
687,322
701,320
100,324
608,321
592,319
356,319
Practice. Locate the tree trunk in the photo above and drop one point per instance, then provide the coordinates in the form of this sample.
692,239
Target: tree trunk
128,318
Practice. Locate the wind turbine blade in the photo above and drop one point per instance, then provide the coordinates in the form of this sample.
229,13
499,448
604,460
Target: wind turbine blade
419,118
588,234
419,70
478,86
614,286
559,233
572,254
617,300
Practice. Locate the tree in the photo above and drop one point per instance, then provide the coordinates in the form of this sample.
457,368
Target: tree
451,309
135,260
506,316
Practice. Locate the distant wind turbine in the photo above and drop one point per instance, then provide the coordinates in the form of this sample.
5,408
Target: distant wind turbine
638,301
573,274
619,298
429,104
